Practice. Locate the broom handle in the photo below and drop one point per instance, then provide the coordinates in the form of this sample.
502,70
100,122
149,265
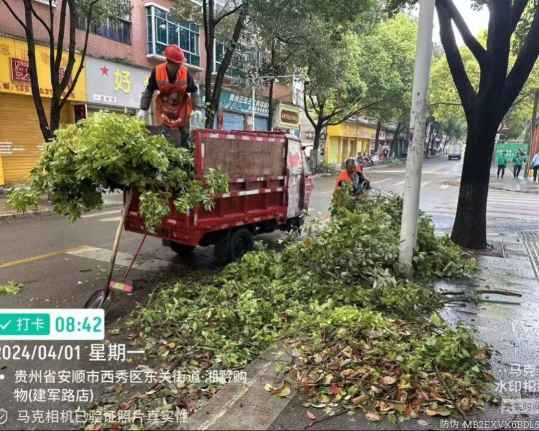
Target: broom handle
135,256
117,236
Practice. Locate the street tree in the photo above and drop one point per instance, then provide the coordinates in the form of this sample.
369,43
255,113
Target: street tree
335,91
389,72
310,36
60,23
486,104
444,102
223,23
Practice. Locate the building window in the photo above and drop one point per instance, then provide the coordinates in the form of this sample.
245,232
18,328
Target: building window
242,58
115,27
164,31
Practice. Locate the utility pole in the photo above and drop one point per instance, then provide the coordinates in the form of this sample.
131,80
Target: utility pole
532,127
414,160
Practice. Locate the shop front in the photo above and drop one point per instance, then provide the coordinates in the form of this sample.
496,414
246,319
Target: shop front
21,140
346,140
236,112
114,87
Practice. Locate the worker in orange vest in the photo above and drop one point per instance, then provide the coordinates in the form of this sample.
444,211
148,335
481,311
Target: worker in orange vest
354,176
176,87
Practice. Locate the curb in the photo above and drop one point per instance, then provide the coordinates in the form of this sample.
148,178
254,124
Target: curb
226,410
47,211
29,214
509,189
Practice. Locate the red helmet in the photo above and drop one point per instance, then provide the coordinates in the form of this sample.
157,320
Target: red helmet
174,53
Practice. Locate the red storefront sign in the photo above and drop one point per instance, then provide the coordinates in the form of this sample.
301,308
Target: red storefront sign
20,70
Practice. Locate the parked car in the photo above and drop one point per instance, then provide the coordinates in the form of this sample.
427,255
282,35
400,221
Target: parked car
454,151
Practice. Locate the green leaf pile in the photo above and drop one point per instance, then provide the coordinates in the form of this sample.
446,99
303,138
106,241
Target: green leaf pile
11,288
364,338
111,152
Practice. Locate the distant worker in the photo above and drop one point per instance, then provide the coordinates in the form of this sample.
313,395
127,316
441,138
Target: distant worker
175,84
535,166
501,161
518,161
359,160
354,177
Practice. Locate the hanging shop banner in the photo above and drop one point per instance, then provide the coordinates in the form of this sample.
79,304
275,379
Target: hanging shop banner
115,84
15,75
287,116
229,101
234,102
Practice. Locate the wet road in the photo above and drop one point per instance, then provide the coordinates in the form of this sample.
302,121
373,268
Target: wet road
61,263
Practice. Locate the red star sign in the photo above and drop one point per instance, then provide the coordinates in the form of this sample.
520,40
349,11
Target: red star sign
104,71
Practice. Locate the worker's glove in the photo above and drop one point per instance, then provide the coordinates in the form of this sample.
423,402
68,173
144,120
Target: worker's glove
141,114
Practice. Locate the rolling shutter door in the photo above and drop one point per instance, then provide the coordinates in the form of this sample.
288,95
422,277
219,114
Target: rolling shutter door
261,123
20,136
232,121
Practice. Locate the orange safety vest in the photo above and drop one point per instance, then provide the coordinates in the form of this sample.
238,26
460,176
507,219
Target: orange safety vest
173,104
343,177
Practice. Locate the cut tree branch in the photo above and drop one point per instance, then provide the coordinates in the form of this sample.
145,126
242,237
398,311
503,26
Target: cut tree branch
471,42
454,59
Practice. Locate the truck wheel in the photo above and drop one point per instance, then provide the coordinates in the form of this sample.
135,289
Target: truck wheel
295,224
233,245
241,242
183,249
222,249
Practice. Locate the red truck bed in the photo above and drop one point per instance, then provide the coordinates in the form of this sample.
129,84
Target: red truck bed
269,188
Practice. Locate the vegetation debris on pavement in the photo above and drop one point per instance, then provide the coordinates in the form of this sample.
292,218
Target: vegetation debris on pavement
362,337
11,288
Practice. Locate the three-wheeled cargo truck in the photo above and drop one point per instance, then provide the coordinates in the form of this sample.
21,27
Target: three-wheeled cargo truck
269,189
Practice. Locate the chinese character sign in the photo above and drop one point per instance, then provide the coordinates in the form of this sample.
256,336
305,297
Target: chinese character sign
115,84
122,81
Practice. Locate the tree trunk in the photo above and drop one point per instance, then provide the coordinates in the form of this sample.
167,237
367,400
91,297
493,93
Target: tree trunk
395,141
56,111
377,138
469,229
46,131
270,106
316,146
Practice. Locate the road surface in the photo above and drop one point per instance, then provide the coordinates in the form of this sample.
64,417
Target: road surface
61,263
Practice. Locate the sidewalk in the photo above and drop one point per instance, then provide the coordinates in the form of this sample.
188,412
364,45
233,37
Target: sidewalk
508,323
45,207
511,184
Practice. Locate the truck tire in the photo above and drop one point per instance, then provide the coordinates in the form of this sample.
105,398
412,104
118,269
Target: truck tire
241,242
222,249
233,245
182,249
295,224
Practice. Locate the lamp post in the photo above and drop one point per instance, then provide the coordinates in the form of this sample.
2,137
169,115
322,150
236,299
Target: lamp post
414,162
